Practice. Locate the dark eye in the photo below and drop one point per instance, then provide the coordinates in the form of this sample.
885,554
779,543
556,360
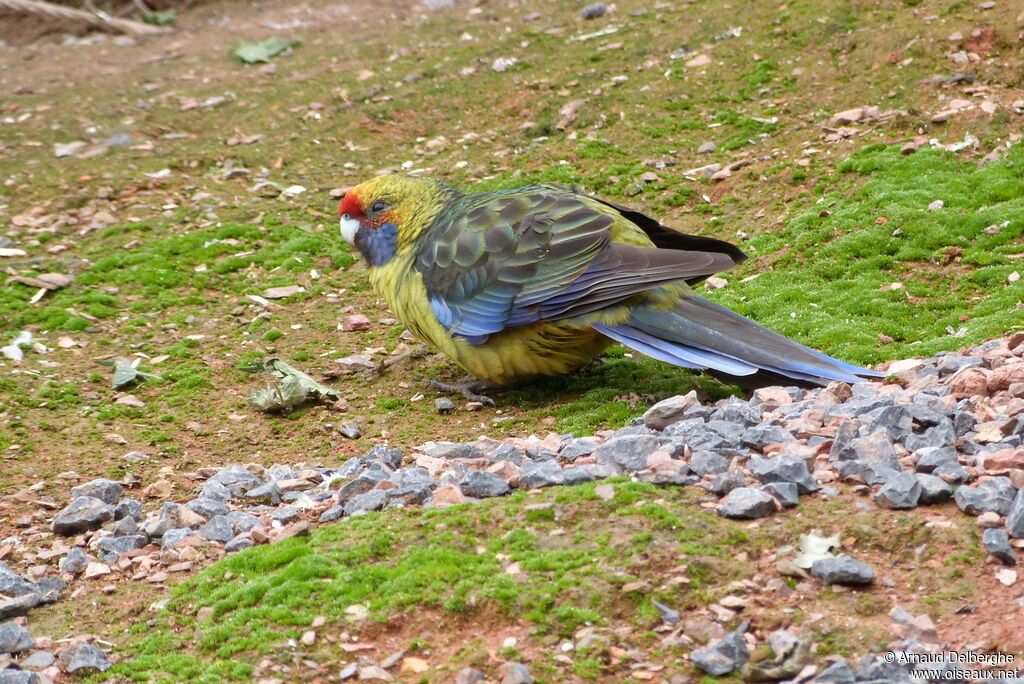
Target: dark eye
378,207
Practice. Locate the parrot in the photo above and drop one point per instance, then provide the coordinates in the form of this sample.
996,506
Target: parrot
538,280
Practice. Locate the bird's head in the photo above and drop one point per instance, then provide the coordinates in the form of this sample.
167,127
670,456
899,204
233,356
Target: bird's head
387,214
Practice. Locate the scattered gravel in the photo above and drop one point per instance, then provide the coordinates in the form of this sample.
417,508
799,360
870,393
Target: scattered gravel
952,429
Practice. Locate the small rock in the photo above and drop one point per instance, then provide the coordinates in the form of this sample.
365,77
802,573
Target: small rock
997,543
74,562
482,484
746,503
707,147
540,474
38,660
82,656
516,673
725,655
669,411
627,454
444,405
594,11
934,490
669,615
902,490
784,468
83,514
1015,516
354,322
842,570
217,529
14,638
105,490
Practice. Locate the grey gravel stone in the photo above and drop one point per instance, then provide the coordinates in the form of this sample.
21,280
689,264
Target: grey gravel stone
786,493
902,490
103,489
217,529
516,673
626,454
49,589
14,638
997,543
286,514
760,436
236,479
83,514
238,544
708,463
996,494
373,500
389,456
934,490
586,473
572,449
926,460
268,493
784,468
19,605
112,547
82,656
876,447
208,508
11,676
594,11
1015,517
125,527
38,660
842,570
837,673
13,584
746,503
736,410
507,452
412,495
540,474
444,405
174,535
726,482
74,562
669,615
415,476
726,655
128,508
362,484
241,521
482,484
216,490
896,421
331,514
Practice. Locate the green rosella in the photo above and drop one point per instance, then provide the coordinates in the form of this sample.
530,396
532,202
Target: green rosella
537,280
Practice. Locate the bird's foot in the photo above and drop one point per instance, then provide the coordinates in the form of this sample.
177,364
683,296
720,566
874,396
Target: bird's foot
414,352
471,390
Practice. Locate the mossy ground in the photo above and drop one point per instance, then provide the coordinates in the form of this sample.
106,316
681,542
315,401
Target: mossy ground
167,247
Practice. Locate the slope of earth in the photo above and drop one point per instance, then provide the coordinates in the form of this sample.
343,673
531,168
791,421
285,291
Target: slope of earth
862,153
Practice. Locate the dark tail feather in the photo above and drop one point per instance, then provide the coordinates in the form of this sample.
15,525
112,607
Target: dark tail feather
701,334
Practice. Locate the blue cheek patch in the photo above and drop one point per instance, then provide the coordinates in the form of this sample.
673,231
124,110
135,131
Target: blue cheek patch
378,246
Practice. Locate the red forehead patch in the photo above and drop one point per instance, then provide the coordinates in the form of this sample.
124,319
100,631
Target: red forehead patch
350,204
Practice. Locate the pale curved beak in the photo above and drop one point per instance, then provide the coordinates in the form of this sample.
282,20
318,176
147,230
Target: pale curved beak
349,228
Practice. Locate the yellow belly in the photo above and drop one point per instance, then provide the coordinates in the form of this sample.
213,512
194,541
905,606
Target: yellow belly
506,357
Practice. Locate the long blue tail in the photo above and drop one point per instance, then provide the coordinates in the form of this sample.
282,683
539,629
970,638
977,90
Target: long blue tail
701,334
